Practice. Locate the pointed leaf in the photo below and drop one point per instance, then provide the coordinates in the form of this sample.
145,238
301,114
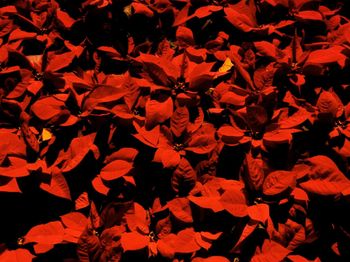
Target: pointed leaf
115,170
179,120
50,233
133,241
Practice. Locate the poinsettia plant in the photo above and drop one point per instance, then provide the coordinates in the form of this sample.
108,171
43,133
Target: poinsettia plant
201,130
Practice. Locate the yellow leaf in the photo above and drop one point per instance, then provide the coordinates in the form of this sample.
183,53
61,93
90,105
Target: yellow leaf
226,66
46,135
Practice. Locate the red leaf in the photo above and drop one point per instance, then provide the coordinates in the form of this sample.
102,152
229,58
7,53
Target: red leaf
247,231
111,52
329,102
78,149
309,15
148,137
74,220
205,11
50,233
327,56
259,212
296,119
298,258
126,153
180,209
184,177
48,107
265,48
211,203
64,18
60,61
17,255
11,145
98,185
17,168
159,69
201,242
115,170
234,202
179,120
88,245
157,112
240,68
4,54
182,16
133,241
9,185
18,34
279,181
200,77
324,177
229,134
210,259
30,137
166,246
201,143
197,123
102,94
142,9
231,98
271,251
168,157
254,172
185,242
138,220
256,116
57,186
184,36
82,201
238,20
277,137
208,236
